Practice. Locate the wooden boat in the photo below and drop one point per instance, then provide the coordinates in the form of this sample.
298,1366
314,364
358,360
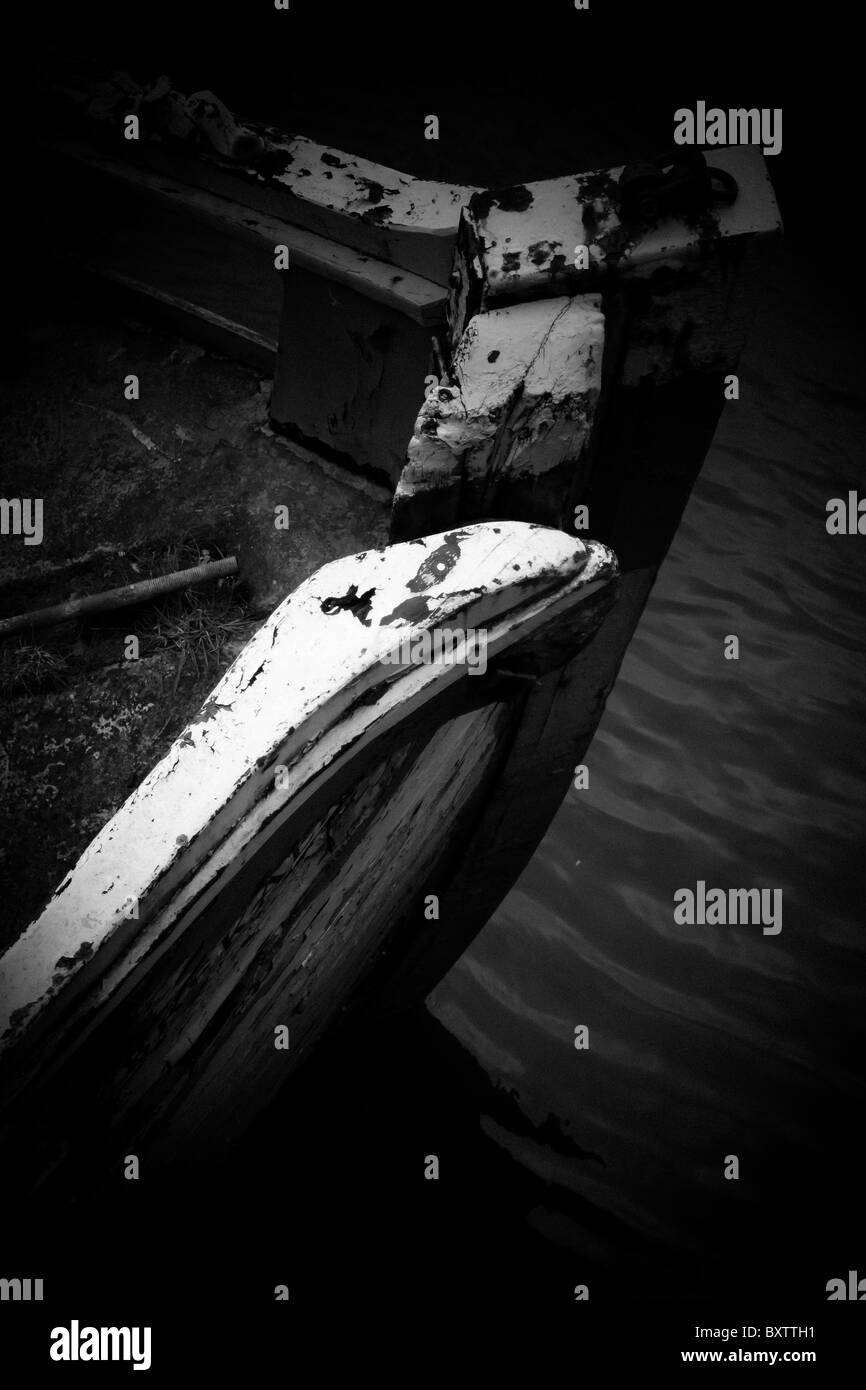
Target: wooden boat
343,815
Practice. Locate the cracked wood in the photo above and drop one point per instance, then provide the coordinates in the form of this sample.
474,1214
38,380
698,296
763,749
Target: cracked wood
519,244
510,435
224,864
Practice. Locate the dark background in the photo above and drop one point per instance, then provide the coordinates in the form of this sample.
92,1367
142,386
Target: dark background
326,1195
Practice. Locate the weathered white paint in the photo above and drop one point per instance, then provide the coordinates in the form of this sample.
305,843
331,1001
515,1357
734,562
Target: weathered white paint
511,254
409,222
402,208
414,202
203,1060
526,383
291,699
408,293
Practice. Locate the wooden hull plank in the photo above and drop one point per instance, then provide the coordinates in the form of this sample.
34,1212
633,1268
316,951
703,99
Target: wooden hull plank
407,292
213,841
348,375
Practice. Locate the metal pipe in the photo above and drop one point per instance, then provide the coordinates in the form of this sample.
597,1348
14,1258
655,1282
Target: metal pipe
119,598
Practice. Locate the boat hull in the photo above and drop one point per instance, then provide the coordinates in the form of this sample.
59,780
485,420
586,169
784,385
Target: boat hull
272,897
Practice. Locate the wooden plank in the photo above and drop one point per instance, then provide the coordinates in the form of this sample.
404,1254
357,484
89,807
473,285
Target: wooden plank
405,221
198,274
406,292
349,375
265,898
509,434
193,320
519,243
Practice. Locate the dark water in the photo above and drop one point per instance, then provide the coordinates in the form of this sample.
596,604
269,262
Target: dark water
707,1041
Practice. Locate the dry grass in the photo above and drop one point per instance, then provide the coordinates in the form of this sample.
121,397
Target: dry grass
26,668
194,623
197,622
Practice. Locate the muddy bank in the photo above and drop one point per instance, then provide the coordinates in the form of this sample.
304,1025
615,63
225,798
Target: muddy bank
131,489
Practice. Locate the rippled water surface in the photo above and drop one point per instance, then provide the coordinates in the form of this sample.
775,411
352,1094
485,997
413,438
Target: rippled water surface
708,1041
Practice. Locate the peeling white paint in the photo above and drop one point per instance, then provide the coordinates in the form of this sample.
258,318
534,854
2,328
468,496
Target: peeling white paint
291,698
420,204
527,379
516,249
408,221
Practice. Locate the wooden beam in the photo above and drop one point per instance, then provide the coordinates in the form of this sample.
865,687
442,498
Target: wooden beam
385,214
404,291
408,221
520,243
